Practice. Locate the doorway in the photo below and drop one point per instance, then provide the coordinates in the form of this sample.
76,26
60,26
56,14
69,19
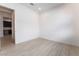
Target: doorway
7,27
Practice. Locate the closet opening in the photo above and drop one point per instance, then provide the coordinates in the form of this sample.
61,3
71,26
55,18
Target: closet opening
7,27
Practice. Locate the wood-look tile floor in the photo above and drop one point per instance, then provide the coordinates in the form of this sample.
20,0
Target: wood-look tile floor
40,47
6,41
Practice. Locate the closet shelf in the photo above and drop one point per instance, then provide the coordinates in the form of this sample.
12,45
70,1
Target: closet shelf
7,20
7,28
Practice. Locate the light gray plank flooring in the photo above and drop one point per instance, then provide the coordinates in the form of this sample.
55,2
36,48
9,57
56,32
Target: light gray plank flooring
40,47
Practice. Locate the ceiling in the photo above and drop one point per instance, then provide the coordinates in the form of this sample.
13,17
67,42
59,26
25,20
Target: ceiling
41,7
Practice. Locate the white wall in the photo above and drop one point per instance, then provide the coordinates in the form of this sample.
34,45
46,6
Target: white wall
26,22
57,25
